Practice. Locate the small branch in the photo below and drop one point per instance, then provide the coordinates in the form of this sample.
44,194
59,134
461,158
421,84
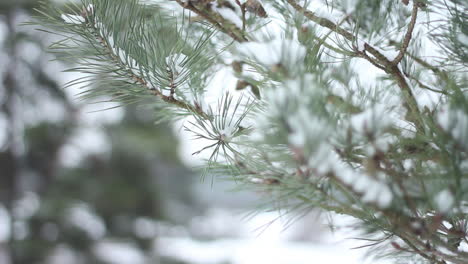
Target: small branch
324,22
172,84
418,251
140,80
211,17
422,85
428,66
371,60
442,74
242,7
409,32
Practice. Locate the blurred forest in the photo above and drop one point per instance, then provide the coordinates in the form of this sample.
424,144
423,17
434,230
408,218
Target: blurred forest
77,186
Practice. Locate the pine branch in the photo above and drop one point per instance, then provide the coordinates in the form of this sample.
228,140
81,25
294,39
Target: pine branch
424,86
409,32
325,141
243,11
380,61
141,80
215,19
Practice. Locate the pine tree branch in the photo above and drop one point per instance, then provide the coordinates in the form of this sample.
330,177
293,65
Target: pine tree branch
424,86
425,64
215,19
141,80
385,64
411,237
416,250
440,73
243,11
436,70
371,60
409,32
324,22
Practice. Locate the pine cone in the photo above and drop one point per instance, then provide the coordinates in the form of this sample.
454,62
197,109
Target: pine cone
254,6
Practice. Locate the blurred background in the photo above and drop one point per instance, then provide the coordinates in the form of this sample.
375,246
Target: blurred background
84,182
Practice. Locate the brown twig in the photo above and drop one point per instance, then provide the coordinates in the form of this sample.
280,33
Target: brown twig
371,60
242,7
216,20
324,22
409,32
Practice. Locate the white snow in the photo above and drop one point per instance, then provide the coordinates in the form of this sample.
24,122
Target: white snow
389,54
262,239
322,158
363,183
228,131
306,127
455,122
408,164
287,52
373,190
82,217
5,224
166,91
90,8
372,120
361,45
321,9
463,246
73,19
118,252
385,196
230,15
247,251
463,38
77,19
347,175
444,201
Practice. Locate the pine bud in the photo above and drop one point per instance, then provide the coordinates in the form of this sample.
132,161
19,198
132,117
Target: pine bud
241,85
254,6
237,66
87,11
455,237
204,3
271,181
226,4
395,245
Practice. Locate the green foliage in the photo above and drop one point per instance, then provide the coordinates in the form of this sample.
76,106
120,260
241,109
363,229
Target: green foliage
337,116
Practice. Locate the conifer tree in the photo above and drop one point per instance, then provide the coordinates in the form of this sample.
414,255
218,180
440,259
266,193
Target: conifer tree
357,107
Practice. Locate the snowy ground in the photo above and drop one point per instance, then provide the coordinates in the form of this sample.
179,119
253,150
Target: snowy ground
272,245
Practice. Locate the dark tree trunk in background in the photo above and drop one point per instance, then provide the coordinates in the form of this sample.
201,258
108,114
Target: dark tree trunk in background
138,178
10,156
